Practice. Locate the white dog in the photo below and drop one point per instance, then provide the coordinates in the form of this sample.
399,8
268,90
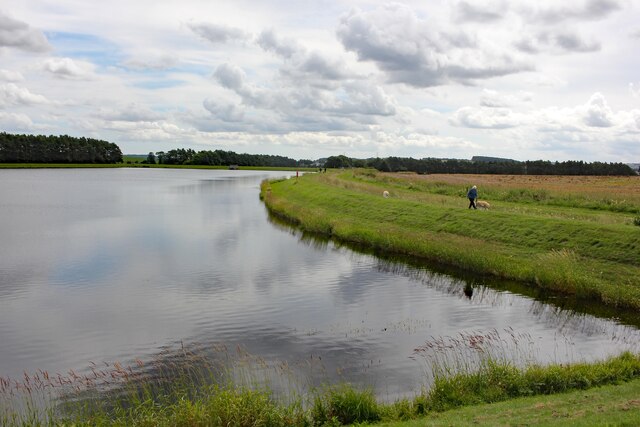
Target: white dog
385,194
482,204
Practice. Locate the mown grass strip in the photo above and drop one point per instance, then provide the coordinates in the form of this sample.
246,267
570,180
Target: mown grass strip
594,260
613,405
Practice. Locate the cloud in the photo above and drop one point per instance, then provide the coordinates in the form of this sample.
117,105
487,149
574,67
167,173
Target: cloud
556,42
363,98
11,95
226,112
67,68
635,91
588,10
494,99
480,11
301,63
156,63
485,118
15,122
416,52
230,76
292,102
217,33
270,41
11,76
131,112
598,113
19,35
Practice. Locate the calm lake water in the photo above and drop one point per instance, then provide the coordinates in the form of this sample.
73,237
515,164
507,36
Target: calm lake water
106,265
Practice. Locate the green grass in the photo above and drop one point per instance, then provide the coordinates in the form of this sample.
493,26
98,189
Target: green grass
617,405
182,403
590,253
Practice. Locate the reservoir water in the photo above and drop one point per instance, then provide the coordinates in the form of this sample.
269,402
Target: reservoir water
125,265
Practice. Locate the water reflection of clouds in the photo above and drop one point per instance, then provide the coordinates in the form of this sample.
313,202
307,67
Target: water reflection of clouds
192,258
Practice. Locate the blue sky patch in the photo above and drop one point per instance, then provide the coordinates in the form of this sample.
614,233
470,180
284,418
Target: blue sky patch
86,47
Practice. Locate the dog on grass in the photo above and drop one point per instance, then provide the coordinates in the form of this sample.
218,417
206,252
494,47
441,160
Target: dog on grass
481,204
385,194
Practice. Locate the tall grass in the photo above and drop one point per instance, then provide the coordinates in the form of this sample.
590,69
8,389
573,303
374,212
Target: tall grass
124,400
185,403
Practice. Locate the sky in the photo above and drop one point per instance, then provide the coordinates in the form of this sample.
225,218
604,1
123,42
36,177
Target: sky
525,80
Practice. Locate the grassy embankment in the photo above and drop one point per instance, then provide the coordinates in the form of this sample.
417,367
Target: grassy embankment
574,235
543,393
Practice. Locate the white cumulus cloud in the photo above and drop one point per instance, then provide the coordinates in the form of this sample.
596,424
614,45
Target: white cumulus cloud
419,52
68,68
11,94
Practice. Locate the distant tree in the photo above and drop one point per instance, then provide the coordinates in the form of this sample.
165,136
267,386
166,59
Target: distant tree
151,159
340,161
56,149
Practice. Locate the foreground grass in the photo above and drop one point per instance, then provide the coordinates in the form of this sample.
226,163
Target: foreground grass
183,405
590,250
617,405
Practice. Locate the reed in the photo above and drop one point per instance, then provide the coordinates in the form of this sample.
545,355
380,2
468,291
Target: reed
177,397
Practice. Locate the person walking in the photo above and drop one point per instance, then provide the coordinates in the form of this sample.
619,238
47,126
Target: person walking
472,195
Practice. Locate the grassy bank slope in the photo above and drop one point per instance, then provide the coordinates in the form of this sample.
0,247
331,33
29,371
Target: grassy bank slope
567,240
604,406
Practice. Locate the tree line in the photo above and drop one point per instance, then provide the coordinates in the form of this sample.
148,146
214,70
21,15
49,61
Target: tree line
434,165
188,156
56,149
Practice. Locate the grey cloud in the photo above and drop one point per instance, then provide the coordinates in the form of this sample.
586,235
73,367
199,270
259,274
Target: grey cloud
19,35
302,63
269,41
588,10
216,33
475,12
411,52
323,67
573,43
225,112
229,76
130,113
556,42
348,105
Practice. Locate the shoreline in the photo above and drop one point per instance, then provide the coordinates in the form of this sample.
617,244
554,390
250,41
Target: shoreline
591,258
